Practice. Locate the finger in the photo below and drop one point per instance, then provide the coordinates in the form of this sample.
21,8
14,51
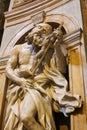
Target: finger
29,84
29,80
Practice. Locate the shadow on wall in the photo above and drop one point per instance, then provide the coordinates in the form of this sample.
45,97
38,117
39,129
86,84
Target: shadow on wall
62,122
4,5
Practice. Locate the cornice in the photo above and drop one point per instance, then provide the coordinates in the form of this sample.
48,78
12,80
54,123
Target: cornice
25,12
73,39
26,3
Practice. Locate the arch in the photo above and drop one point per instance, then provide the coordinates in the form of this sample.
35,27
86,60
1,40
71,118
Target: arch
69,24
14,40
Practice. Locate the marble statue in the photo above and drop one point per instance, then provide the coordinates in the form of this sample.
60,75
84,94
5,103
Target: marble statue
38,86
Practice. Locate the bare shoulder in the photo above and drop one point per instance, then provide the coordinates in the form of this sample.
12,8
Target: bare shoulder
16,49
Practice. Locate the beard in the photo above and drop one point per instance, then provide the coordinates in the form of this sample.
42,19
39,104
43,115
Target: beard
37,40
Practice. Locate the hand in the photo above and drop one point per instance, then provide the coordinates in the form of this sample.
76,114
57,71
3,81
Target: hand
25,72
28,83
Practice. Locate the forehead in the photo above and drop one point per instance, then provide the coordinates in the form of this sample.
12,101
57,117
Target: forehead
40,27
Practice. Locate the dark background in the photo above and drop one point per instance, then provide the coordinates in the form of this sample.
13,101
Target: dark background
4,4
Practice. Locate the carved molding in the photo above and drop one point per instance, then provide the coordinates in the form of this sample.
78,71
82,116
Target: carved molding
25,12
73,39
69,22
3,62
20,2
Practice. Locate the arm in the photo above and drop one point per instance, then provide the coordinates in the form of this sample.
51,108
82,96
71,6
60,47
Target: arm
12,63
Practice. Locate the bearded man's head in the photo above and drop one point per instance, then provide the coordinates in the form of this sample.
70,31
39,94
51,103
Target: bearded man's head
38,33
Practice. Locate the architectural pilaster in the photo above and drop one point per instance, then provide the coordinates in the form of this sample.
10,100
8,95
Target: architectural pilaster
76,78
3,86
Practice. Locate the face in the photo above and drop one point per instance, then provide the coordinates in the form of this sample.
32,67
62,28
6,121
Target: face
37,39
39,33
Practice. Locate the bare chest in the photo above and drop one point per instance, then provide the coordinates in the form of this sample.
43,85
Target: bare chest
26,56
